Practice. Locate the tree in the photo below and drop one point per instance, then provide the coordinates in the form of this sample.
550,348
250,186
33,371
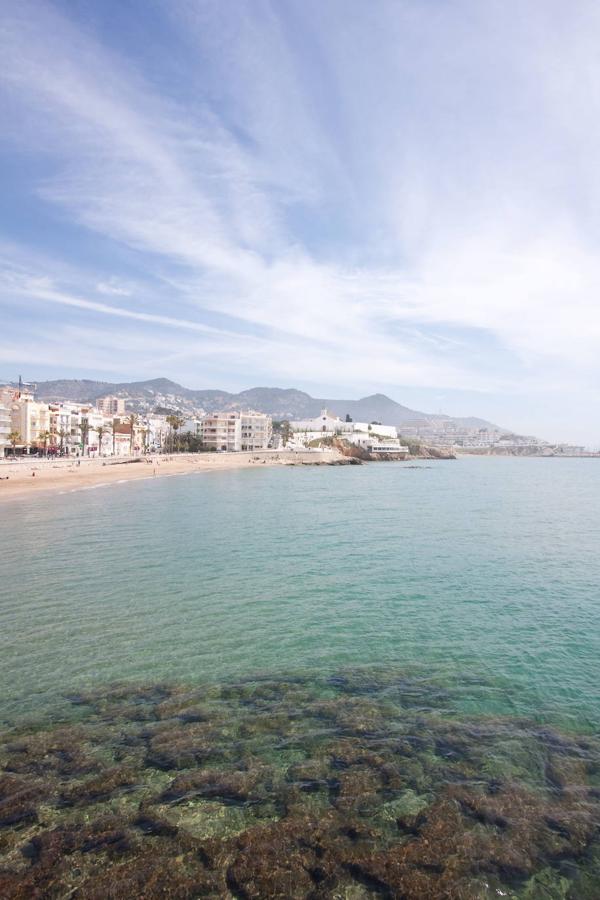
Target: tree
175,422
15,438
43,438
84,428
286,431
101,430
132,419
62,435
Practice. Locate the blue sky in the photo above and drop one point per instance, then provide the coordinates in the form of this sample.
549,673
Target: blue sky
339,196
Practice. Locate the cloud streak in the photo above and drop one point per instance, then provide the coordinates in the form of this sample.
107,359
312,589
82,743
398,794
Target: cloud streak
384,200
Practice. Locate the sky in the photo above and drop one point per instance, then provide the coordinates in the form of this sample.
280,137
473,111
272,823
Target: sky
343,197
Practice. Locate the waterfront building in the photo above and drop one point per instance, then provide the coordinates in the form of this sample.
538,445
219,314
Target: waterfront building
234,431
376,443
129,437
158,431
29,418
364,434
6,399
256,431
325,423
5,428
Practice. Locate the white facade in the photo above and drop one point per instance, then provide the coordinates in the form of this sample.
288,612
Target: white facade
377,444
29,418
256,431
325,423
234,431
158,431
363,434
6,397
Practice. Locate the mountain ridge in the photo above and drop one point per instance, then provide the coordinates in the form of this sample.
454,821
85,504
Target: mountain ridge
281,403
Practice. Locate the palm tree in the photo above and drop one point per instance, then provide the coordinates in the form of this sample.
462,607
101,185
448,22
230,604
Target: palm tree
101,430
85,433
132,419
175,422
15,438
44,437
62,435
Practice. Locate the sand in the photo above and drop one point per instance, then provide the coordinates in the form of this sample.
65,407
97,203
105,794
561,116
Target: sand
29,477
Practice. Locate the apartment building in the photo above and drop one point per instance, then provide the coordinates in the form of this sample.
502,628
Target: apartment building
111,406
234,431
256,431
6,399
29,418
222,431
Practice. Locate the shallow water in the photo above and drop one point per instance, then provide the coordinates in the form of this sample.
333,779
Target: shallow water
380,679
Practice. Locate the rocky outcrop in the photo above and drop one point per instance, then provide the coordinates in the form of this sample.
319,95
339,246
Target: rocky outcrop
420,451
424,452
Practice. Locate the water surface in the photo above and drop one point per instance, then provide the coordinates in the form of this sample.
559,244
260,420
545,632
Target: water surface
379,680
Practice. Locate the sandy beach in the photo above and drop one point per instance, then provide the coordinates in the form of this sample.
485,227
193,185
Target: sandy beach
27,477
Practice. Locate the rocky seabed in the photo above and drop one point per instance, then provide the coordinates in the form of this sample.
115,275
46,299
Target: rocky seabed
362,783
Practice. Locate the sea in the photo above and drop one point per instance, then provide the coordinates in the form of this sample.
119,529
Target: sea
308,681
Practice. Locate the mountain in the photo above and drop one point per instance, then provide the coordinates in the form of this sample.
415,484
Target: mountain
280,403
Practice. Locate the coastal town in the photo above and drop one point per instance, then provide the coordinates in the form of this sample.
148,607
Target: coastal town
119,425
107,428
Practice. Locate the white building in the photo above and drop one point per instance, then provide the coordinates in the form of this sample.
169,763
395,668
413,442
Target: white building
29,418
325,423
256,431
371,436
375,443
158,431
6,399
234,431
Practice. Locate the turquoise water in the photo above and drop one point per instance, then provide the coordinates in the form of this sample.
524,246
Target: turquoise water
486,570
375,681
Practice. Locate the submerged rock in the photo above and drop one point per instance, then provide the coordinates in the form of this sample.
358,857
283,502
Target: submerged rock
352,785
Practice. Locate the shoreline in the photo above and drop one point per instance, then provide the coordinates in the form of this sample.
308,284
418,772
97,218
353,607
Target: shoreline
66,476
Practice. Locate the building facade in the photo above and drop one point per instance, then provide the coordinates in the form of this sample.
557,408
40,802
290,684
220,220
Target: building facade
111,406
324,423
30,419
6,400
256,431
235,431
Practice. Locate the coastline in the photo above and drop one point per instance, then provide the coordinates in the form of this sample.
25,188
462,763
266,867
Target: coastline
66,476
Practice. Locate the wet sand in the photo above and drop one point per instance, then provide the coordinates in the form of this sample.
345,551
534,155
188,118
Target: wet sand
40,475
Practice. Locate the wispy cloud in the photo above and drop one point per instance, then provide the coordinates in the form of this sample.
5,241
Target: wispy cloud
406,198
